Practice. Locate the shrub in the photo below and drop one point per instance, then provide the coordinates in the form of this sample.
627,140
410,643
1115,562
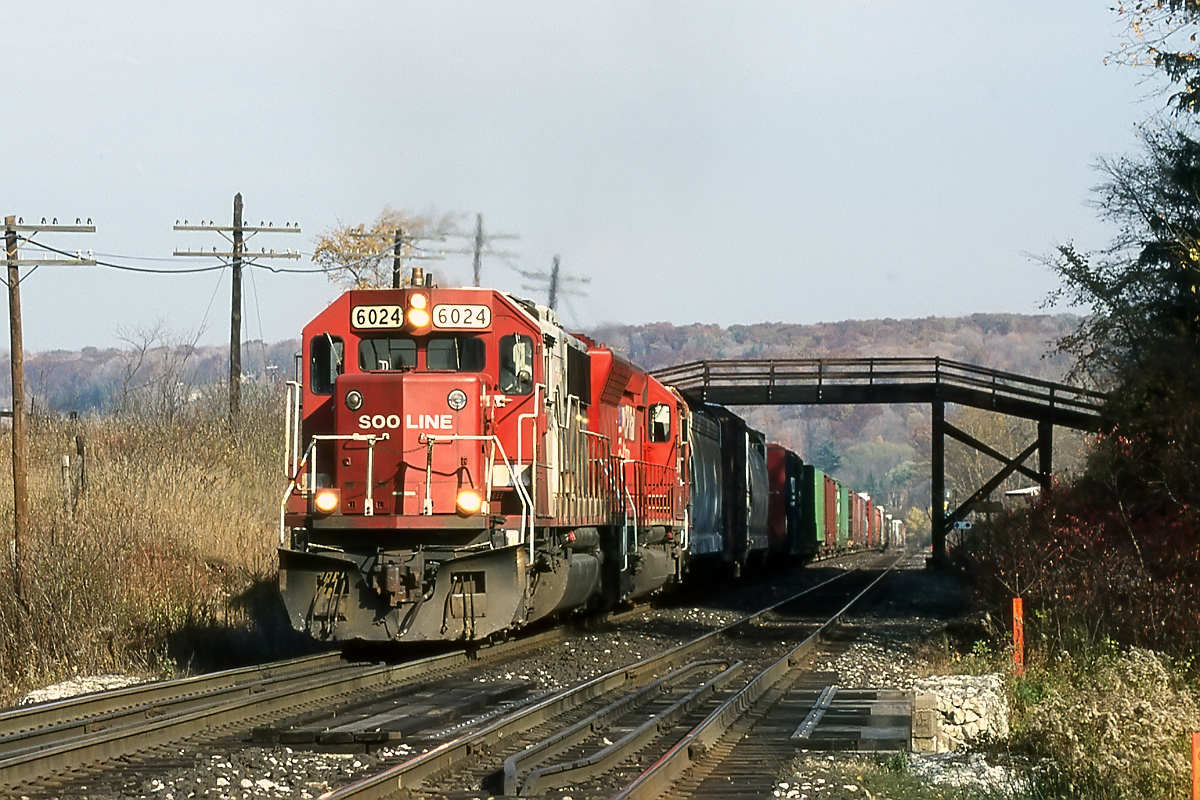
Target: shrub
1119,730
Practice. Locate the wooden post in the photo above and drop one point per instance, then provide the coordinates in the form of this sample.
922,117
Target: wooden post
1019,635
23,587
235,319
1196,766
81,488
67,487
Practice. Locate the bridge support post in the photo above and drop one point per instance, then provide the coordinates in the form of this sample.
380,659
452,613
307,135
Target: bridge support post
937,499
1045,451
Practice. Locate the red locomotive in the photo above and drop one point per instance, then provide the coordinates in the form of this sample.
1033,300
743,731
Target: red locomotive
462,466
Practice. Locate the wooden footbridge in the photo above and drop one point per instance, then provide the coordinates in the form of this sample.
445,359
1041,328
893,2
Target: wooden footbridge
937,381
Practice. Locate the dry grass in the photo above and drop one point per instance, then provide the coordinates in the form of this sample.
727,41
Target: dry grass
1118,726
165,561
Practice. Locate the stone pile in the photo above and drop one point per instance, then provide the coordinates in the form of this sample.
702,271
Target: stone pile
951,711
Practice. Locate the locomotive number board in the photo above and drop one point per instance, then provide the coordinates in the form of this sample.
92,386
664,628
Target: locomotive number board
462,316
377,316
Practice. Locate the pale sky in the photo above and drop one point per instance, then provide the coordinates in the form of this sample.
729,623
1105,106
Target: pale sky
709,162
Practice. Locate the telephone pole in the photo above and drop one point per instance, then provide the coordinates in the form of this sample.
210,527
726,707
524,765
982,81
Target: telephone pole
400,241
20,448
236,236
555,279
481,247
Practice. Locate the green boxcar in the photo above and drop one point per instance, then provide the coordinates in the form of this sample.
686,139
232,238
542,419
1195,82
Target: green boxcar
812,506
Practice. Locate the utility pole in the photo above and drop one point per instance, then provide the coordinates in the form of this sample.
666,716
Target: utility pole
554,284
235,317
20,447
478,247
481,247
236,236
555,279
400,241
397,249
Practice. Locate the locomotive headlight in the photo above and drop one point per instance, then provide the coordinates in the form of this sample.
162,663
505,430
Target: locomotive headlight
469,502
418,317
457,399
326,501
354,399
418,301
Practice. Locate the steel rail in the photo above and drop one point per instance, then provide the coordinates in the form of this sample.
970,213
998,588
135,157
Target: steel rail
417,770
560,775
661,775
115,724
23,719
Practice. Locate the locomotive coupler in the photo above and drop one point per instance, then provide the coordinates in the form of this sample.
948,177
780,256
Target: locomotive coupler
399,580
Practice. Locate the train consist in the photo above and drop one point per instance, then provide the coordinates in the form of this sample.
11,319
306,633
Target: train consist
462,466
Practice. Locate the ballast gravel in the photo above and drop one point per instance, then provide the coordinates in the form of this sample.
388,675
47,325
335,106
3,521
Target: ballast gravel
885,654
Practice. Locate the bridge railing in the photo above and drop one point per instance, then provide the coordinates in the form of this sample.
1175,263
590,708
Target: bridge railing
698,376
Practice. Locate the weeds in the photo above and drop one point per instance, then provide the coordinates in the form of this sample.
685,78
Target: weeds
148,566
1113,728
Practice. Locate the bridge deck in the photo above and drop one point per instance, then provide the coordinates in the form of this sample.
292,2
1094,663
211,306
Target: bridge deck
808,381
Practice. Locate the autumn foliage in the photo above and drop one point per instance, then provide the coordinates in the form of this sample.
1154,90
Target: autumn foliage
1113,555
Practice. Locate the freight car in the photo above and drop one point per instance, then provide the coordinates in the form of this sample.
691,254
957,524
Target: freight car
460,466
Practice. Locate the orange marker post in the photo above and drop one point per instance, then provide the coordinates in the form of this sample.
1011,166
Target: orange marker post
1019,636
1196,766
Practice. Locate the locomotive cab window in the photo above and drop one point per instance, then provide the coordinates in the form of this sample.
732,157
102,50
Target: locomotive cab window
516,364
660,422
455,353
387,354
326,362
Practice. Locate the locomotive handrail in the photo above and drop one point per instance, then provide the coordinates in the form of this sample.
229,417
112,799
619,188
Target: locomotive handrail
370,439
625,528
287,493
291,429
532,417
496,444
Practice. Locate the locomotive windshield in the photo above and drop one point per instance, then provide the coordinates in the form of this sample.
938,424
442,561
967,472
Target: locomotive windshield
387,353
455,353
451,353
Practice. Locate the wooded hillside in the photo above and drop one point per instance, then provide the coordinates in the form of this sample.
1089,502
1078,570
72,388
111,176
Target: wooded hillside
880,449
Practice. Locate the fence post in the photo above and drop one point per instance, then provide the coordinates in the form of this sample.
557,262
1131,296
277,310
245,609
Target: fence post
67,487
1018,635
80,451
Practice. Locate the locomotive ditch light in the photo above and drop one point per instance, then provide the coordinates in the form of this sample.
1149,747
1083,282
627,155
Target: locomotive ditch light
457,399
354,399
469,502
326,501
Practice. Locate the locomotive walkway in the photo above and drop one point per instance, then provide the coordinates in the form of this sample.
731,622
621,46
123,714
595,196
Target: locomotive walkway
937,381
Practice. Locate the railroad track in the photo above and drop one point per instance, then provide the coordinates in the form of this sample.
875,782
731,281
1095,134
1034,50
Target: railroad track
668,723
474,731
47,747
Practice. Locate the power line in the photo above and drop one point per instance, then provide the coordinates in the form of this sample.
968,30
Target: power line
237,234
